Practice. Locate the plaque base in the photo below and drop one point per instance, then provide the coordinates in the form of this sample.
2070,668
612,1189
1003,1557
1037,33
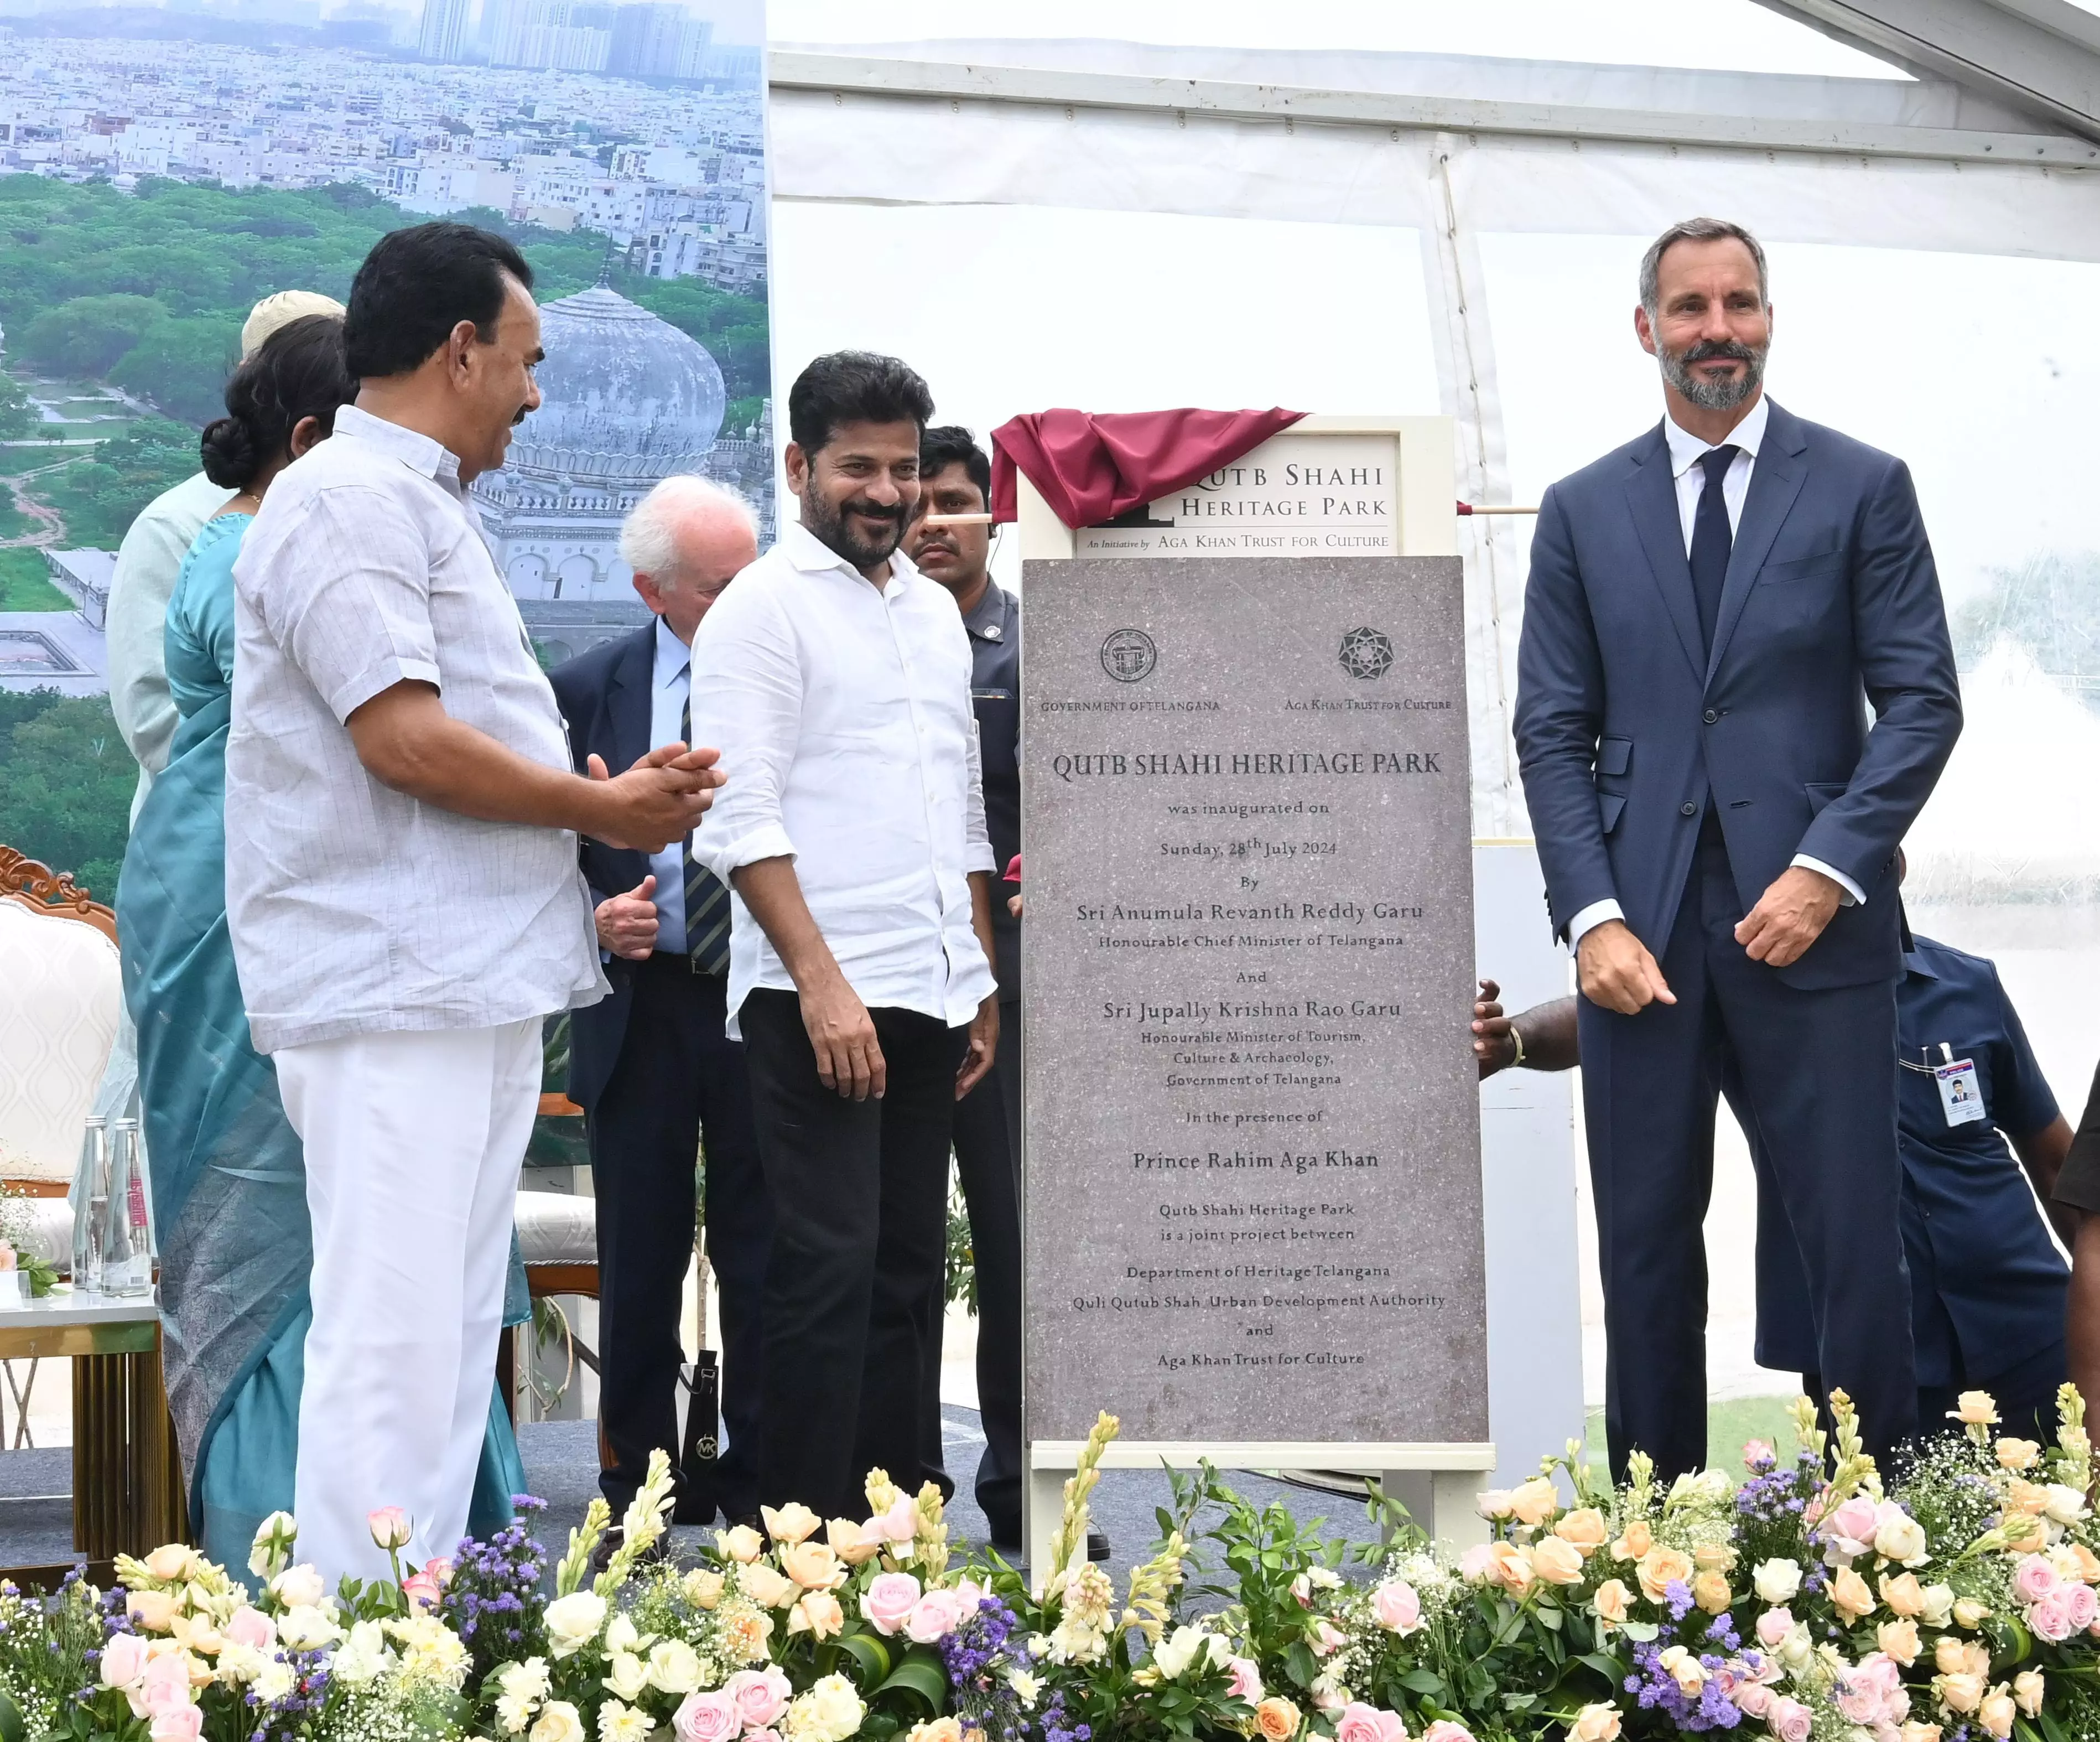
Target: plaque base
1436,1481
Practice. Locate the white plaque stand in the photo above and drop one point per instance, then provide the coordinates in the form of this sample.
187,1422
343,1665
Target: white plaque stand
1435,1482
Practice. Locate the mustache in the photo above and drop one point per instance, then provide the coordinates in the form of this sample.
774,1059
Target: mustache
1718,350
874,511
523,410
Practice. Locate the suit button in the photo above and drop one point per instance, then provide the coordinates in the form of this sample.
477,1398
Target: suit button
1687,810
1711,716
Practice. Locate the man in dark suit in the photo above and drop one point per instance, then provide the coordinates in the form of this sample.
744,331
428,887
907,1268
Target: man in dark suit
1711,609
651,1064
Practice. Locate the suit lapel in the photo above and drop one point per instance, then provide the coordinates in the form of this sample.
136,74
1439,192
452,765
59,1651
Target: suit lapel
1651,493
1775,481
628,704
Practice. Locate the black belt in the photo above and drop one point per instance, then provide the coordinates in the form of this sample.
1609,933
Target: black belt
690,963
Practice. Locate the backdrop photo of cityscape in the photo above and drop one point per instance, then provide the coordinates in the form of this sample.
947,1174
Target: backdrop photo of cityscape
162,168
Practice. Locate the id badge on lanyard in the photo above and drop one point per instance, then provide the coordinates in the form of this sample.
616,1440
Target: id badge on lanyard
1960,1096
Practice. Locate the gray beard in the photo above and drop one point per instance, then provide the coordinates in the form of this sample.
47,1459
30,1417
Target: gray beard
1725,394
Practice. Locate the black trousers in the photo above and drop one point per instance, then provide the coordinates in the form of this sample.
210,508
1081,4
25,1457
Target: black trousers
1819,1071
678,1077
988,1164
860,1195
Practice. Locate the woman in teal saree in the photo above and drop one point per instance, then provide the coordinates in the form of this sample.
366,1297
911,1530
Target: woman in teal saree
228,1178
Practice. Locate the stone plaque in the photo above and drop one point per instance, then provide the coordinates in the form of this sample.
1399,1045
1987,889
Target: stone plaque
1254,1173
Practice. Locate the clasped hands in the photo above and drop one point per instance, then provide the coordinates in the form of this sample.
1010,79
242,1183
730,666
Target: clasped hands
1616,970
659,800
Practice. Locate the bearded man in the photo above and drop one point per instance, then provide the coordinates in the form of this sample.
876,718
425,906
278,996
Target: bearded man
1711,611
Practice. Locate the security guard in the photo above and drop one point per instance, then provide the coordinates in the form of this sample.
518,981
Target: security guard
955,479
1987,1284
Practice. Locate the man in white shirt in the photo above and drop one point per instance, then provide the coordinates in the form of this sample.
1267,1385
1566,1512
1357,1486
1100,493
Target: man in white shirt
836,680
1708,608
402,886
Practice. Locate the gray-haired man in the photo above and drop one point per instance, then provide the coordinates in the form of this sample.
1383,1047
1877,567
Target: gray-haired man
651,1065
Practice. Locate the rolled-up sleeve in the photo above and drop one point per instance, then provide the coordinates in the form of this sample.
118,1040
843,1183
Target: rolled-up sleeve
977,837
353,612
746,702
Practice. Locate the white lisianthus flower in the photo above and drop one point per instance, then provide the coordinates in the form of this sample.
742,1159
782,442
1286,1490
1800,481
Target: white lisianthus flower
626,1676
306,1629
623,1723
830,1712
271,1551
298,1587
362,1657
674,1667
573,1622
1777,1580
620,1636
1902,1538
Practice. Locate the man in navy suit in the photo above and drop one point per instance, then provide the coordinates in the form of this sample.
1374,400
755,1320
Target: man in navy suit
1712,610
651,1065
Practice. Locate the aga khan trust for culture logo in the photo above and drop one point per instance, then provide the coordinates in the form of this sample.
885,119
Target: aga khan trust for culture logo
1366,653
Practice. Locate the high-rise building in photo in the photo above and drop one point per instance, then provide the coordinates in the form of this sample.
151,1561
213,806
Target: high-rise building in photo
654,39
443,36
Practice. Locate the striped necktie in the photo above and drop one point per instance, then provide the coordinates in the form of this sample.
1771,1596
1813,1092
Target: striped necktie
706,901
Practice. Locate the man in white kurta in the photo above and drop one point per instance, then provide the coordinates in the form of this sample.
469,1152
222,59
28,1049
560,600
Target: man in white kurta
402,883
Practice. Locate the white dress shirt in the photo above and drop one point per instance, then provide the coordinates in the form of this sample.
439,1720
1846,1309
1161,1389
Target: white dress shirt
1686,451
842,712
345,899
669,683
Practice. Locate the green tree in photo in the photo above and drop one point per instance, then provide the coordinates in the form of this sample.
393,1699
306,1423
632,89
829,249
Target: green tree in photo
19,415
66,781
101,495
87,334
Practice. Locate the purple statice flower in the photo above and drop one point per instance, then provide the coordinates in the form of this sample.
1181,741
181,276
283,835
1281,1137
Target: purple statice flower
494,1602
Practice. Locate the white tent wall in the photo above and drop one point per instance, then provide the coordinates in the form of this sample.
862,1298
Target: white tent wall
1934,293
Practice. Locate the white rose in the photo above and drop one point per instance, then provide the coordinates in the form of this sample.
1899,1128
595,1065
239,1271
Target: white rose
298,1587
560,1722
1938,1601
674,1667
573,1622
363,1656
1173,1654
1902,1538
620,1636
2066,1506
1797,1648
1777,1580
830,1712
627,1676
272,1547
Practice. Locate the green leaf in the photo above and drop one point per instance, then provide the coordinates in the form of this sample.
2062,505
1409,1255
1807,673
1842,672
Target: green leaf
1301,1664
1609,1668
1639,1632
12,1729
1423,1682
1550,1619
870,1653
922,1676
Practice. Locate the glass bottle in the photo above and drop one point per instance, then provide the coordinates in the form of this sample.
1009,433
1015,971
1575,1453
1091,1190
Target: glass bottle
127,1258
91,1206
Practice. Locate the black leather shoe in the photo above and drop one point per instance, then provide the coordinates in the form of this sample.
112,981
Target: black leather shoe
1097,1549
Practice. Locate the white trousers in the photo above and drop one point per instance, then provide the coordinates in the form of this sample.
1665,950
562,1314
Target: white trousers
413,1144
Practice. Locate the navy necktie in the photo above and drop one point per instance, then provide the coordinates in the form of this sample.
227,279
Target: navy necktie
707,901
1711,542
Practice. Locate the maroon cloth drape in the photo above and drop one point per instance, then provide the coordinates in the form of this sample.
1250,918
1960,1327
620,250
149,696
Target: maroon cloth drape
1091,466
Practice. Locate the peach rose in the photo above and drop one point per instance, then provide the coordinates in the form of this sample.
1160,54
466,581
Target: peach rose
2030,1690
1996,1711
152,1611
818,1615
1596,1723
813,1566
1533,1502
851,1542
1960,1693
1510,1567
1612,1601
1635,1541
1899,1640
1917,1732
1585,1528
2017,1454
1276,1719
1903,1595
792,1522
172,1563
1660,1568
704,1585
1849,1595
1710,1591
767,1587
740,1543
1557,1561
745,1634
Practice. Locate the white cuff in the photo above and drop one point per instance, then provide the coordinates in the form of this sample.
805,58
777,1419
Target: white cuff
1590,917
1854,895
726,858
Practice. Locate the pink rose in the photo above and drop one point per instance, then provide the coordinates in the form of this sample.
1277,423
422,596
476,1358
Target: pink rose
761,1735
389,1527
762,1695
1246,1679
900,1523
1790,1720
2085,1606
123,1660
1852,1526
439,1566
1757,1452
1774,1625
707,1717
1395,1608
1444,1731
1362,1723
934,1617
2050,1618
889,1600
2034,1578
423,1591
166,1683
1858,1699
1473,1563
182,1723
249,1626
1753,1699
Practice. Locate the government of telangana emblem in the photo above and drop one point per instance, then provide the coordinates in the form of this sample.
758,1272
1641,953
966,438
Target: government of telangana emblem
1129,655
1366,653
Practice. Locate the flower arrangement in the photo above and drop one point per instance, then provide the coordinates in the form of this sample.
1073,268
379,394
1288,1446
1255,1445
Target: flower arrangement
17,1240
1814,1603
